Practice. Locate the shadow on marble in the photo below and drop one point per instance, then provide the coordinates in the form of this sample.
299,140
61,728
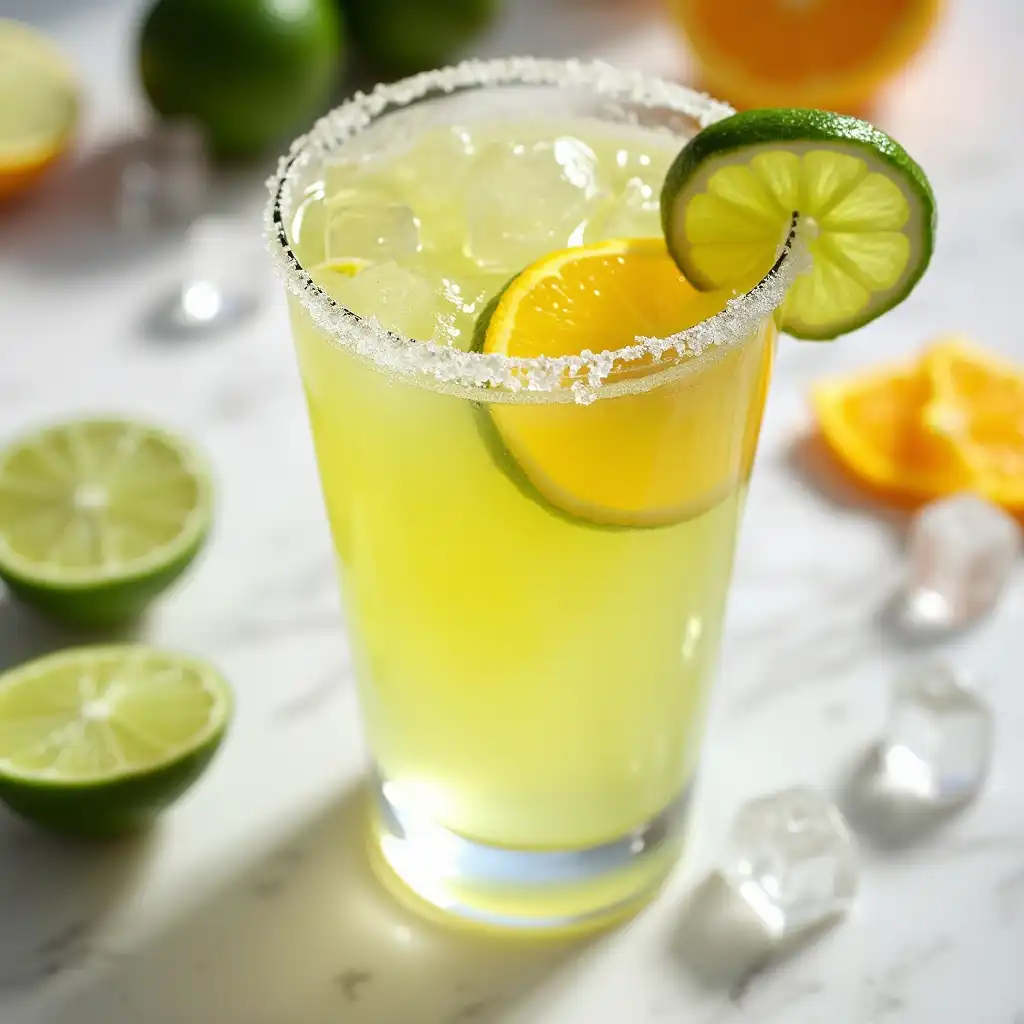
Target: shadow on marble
816,468
67,229
720,940
724,946
307,935
163,322
903,631
886,820
24,635
55,895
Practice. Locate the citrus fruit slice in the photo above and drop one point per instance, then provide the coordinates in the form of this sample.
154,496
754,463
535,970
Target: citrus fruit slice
97,517
95,741
38,105
866,210
811,53
875,424
330,273
647,458
977,403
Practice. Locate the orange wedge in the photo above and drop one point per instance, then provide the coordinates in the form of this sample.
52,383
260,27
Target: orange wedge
874,424
651,455
832,54
977,403
952,422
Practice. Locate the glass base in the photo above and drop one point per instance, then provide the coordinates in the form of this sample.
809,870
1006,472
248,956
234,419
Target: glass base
446,875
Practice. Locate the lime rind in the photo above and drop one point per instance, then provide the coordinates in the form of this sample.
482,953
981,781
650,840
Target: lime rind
868,210
102,605
96,741
100,567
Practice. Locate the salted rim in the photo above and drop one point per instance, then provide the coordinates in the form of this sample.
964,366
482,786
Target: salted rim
577,377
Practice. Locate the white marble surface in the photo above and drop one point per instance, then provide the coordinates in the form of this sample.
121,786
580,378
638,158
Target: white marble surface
251,904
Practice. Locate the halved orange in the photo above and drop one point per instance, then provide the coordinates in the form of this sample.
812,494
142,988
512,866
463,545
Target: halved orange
952,422
38,106
832,54
977,403
651,455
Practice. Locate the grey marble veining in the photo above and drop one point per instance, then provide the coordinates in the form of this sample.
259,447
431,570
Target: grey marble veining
252,904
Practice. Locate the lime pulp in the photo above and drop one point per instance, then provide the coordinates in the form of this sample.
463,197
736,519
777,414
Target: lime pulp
95,741
866,212
97,517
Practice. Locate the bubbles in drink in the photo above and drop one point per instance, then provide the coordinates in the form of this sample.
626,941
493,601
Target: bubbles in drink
633,209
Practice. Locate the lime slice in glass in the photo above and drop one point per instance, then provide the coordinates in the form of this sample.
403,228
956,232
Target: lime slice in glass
95,741
866,213
97,517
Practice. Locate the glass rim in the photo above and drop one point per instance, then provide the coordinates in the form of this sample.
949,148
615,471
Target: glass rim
495,376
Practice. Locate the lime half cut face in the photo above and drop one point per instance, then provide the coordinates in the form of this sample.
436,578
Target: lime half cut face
865,208
97,517
95,741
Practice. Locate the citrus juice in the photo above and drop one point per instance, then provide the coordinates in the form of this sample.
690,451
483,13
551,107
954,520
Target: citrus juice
534,587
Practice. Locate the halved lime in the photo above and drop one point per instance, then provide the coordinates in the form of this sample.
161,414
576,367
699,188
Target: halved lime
95,741
39,105
867,213
97,517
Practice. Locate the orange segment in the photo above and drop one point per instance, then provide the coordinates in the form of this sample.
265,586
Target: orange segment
832,54
654,454
977,403
874,424
597,297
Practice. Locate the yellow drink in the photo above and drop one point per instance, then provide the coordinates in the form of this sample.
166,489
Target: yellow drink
527,680
534,587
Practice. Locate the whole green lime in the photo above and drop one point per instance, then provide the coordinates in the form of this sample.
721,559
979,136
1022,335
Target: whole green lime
249,71
405,36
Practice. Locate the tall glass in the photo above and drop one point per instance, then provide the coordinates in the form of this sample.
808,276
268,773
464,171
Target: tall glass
532,673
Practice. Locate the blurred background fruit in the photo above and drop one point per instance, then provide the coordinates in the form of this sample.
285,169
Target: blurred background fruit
38,106
248,71
952,421
833,54
404,36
